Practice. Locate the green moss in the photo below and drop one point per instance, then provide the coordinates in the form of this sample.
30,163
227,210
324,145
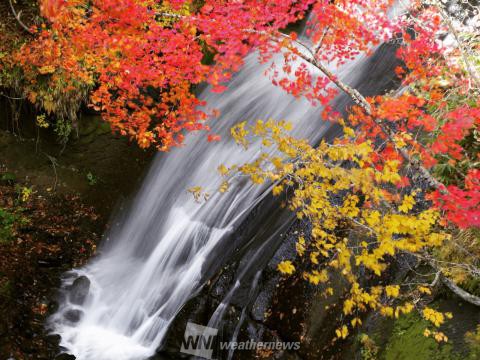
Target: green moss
408,342
8,178
473,340
472,285
9,220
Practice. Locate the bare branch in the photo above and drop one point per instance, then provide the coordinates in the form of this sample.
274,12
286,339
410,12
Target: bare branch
472,299
436,280
54,166
11,98
316,49
172,15
457,290
470,68
17,17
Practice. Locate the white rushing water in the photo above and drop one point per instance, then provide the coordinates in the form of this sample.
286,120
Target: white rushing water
152,262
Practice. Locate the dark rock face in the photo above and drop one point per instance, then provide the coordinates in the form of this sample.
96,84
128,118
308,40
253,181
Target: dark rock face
265,307
65,357
73,316
78,291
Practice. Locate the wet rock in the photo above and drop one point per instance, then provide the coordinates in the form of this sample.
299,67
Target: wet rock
196,311
53,339
50,262
65,357
164,356
79,290
52,307
73,316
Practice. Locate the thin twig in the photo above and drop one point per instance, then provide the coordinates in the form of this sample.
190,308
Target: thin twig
17,17
470,69
320,42
54,165
12,98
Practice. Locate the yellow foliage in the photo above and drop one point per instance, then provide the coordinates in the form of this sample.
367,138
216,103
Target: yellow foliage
300,246
342,333
425,290
437,335
224,187
239,134
196,191
392,290
348,306
286,267
440,337
407,204
356,321
41,121
435,317
25,193
277,190
223,170
386,311
360,197
317,277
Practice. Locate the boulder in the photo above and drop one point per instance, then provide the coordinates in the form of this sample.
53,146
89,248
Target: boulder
73,315
78,291
65,357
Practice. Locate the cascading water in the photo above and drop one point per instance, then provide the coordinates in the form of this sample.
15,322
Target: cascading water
155,258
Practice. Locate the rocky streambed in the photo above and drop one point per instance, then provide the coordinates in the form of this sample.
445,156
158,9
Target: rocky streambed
55,203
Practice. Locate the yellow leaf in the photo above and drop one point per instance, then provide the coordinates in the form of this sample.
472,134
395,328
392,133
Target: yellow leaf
425,290
223,170
286,267
277,190
407,204
224,187
342,332
392,290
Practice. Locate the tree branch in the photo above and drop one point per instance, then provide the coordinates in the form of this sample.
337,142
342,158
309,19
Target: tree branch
471,299
360,100
457,290
470,68
317,47
17,17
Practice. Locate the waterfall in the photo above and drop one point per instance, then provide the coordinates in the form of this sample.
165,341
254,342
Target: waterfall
156,256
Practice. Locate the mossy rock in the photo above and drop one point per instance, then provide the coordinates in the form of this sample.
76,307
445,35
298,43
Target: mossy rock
408,342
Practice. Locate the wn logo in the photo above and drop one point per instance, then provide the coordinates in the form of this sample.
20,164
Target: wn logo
198,340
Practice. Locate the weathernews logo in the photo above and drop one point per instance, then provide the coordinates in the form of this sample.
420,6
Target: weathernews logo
198,340
201,340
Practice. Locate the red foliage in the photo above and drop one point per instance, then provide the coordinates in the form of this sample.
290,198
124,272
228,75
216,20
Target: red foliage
461,206
144,66
458,123
142,60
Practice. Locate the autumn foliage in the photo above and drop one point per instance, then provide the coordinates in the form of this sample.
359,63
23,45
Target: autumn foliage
407,170
141,59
